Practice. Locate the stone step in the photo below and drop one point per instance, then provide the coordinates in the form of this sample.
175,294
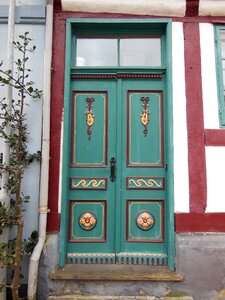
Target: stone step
100,272
100,297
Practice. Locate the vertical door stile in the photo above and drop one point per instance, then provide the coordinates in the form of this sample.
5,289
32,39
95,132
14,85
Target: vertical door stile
119,110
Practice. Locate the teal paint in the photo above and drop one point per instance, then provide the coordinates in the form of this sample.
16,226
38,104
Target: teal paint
140,88
159,22
93,144
170,153
138,234
165,85
119,169
219,73
149,150
97,163
87,231
66,152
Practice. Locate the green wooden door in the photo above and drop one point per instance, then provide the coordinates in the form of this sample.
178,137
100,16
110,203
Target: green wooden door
117,196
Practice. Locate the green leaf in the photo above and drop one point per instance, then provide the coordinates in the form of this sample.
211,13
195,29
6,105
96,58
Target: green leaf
30,89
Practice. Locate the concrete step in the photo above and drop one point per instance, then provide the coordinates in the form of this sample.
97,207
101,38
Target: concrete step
100,297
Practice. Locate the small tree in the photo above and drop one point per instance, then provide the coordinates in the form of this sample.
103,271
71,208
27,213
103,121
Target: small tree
15,118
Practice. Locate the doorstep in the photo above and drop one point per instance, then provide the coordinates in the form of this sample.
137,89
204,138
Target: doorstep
114,272
98,297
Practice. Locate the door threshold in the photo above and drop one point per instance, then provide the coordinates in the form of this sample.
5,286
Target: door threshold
116,272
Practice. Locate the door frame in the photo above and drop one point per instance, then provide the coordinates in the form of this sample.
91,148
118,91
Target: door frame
72,23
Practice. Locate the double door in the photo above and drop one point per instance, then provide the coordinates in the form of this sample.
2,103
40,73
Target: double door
117,174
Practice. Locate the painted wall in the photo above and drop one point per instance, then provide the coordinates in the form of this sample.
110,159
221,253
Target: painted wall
24,2
215,156
181,181
34,119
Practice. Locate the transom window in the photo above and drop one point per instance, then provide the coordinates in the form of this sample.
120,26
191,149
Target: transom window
118,51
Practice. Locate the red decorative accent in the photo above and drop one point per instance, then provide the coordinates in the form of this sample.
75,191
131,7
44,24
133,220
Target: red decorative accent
103,221
72,165
93,76
192,7
139,76
215,137
127,221
109,76
195,123
200,222
162,129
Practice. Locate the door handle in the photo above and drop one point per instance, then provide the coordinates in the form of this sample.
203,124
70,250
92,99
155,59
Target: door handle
112,169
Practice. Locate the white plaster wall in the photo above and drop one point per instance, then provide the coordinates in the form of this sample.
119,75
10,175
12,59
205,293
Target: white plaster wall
181,181
143,7
215,156
209,84
215,164
212,8
34,120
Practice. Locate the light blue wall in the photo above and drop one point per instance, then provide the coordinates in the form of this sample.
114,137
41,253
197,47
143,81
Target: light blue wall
31,179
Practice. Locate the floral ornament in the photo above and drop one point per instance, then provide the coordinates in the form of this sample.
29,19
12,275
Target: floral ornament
145,220
87,220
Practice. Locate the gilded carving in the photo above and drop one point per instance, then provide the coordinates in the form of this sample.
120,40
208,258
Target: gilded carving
87,220
89,116
145,114
147,183
85,184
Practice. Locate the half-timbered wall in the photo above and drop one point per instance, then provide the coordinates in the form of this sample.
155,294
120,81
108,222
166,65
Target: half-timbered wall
199,155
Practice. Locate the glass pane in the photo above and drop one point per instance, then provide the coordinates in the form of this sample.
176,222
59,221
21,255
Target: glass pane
96,52
222,39
140,52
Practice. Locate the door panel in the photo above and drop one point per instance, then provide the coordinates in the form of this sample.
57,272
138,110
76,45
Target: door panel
143,203
90,122
123,220
144,128
91,197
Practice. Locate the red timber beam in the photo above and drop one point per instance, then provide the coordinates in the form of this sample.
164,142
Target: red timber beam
195,120
200,222
57,96
215,137
192,7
